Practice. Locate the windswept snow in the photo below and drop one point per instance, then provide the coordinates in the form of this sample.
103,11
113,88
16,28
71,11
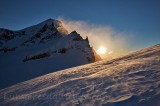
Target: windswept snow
132,80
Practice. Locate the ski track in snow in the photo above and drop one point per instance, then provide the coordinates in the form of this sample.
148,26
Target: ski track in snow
132,80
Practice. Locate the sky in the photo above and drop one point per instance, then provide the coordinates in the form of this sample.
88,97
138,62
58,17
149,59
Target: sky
135,22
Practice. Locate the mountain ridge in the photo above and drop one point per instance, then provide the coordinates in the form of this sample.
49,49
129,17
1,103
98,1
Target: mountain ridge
44,45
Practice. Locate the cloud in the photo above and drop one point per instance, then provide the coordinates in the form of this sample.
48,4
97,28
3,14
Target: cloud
110,52
99,35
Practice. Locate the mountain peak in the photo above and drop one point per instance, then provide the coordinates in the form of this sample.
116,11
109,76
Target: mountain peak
47,42
74,32
51,21
57,24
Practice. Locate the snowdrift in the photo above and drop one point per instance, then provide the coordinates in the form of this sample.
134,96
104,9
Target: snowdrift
131,80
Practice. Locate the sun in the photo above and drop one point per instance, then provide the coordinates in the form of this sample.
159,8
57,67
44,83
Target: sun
101,50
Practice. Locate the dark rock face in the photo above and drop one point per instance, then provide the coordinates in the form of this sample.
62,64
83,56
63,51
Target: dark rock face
37,56
79,38
7,49
63,50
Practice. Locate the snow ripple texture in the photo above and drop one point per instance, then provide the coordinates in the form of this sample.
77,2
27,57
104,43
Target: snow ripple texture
131,80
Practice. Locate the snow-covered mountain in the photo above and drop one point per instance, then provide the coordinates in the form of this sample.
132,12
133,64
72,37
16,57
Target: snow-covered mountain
131,80
40,49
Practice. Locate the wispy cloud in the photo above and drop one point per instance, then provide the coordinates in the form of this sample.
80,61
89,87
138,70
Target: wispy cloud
99,36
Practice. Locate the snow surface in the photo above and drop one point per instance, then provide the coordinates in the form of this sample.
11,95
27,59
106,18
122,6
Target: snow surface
131,80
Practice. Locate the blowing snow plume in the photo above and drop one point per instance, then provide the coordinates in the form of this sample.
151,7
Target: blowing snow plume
100,36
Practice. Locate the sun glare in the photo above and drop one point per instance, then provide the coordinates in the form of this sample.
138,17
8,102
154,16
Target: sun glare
101,50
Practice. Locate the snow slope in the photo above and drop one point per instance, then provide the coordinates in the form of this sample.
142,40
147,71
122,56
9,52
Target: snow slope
131,80
40,49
